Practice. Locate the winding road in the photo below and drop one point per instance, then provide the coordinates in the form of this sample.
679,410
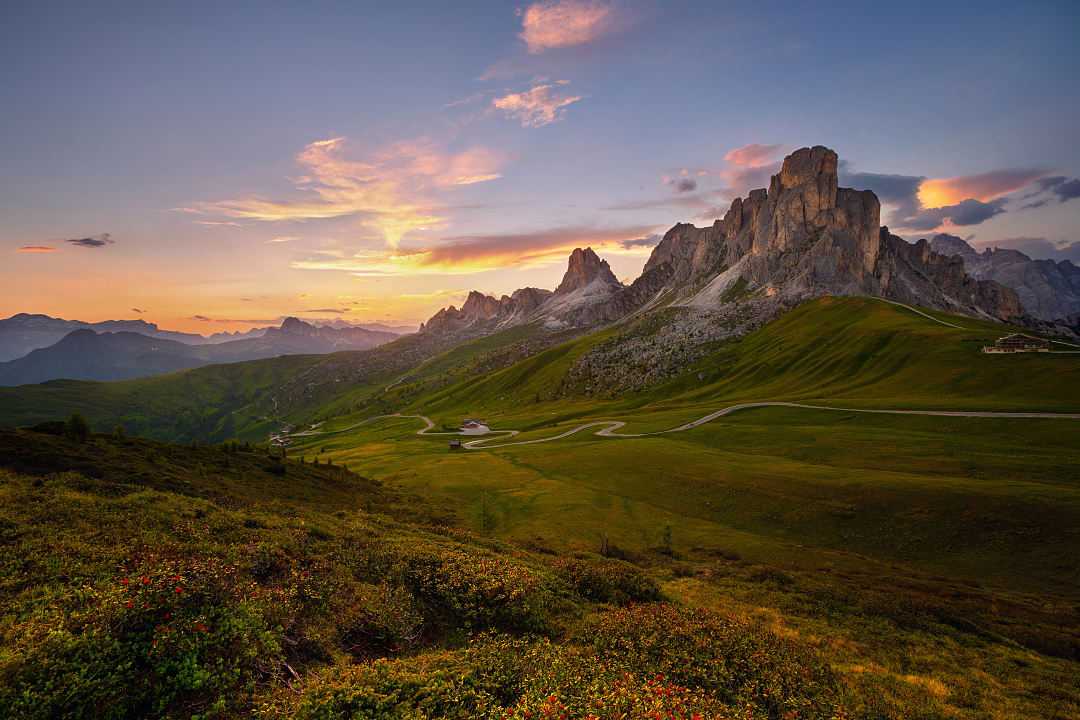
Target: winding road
609,428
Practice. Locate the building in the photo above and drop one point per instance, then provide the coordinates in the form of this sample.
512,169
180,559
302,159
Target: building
1018,342
474,427
455,444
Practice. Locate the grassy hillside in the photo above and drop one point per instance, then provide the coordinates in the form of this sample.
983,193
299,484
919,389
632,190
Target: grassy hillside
856,351
149,580
215,402
145,580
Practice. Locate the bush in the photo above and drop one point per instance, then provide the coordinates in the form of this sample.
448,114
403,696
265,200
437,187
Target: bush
605,580
77,428
468,587
740,662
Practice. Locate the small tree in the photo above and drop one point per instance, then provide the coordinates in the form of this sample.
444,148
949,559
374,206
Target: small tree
77,428
119,433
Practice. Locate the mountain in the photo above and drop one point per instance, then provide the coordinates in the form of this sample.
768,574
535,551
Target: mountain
87,355
1048,290
377,327
21,333
587,282
801,238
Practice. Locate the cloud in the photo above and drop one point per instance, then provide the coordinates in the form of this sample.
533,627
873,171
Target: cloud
920,204
965,213
94,241
283,239
217,223
565,23
1057,187
539,106
37,249
336,311
481,253
750,167
683,184
649,241
691,201
753,155
393,191
943,192
138,310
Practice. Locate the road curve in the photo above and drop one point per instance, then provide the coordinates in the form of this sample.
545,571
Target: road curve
609,428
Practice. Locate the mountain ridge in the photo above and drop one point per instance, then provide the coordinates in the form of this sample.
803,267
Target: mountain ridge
802,237
84,354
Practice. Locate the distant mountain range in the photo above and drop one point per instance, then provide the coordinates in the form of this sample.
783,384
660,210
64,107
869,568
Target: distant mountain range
19,334
1048,290
85,354
803,237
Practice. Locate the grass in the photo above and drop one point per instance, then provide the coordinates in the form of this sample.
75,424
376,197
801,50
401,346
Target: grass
807,563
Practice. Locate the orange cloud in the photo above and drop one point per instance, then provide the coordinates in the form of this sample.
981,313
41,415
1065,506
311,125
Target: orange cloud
943,192
564,23
394,190
36,249
476,254
542,105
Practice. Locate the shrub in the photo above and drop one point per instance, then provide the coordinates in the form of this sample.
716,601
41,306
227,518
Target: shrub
77,428
740,662
606,580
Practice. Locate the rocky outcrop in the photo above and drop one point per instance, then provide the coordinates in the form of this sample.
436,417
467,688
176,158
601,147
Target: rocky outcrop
584,269
802,237
805,237
1047,290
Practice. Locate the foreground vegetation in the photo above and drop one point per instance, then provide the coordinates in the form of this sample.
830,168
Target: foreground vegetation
776,563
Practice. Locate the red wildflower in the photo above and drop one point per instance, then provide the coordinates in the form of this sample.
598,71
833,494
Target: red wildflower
179,589
123,581
129,604
145,580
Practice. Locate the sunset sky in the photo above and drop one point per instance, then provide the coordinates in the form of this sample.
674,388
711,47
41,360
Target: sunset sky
221,165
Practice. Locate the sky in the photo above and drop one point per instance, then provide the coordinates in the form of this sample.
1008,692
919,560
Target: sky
218,166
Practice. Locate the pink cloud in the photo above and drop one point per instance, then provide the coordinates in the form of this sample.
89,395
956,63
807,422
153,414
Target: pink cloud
539,106
565,23
753,155
36,249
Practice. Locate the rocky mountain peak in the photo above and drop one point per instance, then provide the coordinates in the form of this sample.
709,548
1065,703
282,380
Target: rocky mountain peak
479,306
296,326
952,245
585,267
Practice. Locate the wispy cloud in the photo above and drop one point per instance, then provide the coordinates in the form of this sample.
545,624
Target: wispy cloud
481,253
1058,188
94,241
565,23
393,191
335,311
541,105
138,310
36,249
283,239
218,223
754,155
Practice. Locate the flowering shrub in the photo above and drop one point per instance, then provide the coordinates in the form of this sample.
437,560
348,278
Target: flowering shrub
742,663
164,634
606,580
470,587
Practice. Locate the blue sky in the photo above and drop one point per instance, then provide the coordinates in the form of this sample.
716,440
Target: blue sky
401,154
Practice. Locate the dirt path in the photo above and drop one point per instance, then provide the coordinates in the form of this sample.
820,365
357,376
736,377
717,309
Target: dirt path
609,428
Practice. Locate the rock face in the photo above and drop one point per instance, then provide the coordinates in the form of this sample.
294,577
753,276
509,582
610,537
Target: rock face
585,268
1047,290
805,237
801,238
